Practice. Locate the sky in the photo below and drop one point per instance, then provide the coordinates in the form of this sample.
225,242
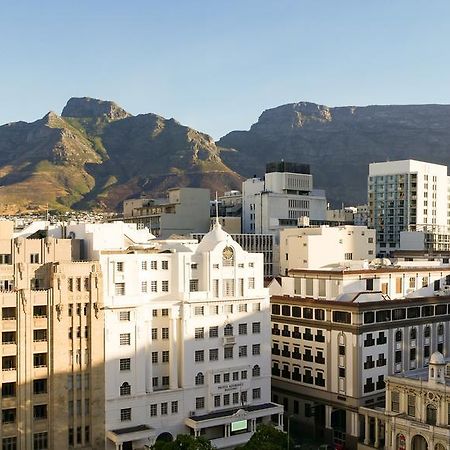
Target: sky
217,65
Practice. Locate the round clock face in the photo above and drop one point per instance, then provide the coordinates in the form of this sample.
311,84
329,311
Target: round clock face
227,253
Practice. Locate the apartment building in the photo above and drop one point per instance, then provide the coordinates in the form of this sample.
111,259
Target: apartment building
52,379
185,211
187,337
280,199
403,195
317,247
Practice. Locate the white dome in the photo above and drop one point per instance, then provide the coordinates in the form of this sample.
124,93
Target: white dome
212,238
437,358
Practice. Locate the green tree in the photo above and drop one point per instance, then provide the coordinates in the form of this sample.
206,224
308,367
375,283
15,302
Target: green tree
184,442
267,437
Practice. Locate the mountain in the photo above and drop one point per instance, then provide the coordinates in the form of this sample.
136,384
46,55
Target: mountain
340,142
96,154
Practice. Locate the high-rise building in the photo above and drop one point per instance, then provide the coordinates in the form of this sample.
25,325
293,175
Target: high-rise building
52,379
404,196
285,195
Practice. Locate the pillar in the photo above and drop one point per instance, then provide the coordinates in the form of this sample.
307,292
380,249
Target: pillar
377,433
328,412
173,355
366,430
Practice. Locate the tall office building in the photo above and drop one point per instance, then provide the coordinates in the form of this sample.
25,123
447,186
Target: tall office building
52,379
285,195
405,195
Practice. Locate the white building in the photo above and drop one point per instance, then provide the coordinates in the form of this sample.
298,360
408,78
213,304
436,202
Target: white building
280,199
187,337
403,195
318,247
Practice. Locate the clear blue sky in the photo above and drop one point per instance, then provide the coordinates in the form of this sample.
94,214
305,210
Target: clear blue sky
216,65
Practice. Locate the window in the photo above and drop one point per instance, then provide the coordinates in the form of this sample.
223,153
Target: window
9,443
165,333
164,408
125,363
243,374
256,327
124,316
174,407
251,283
154,313
235,398
213,354
228,330
39,412
40,386
9,415
395,401
226,399
216,401
411,405
256,394
199,333
125,389
153,410
342,317
214,309
199,379
39,311
256,349
125,414
228,288
125,338
144,265
154,334
213,332
9,389
120,288
9,337
153,286
40,359
242,328
199,402
215,287
242,351
193,285
243,307
256,371
144,287
199,310
226,377
153,265
9,313
155,357
40,441
165,286
119,266
165,265
34,258
155,382
228,352
165,356
199,356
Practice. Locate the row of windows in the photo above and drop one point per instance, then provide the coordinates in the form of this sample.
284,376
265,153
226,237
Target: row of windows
9,415
78,284
145,265
296,311
200,310
296,354
228,286
413,312
164,357
40,442
296,333
10,362
296,375
10,337
228,353
78,437
10,312
199,332
154,286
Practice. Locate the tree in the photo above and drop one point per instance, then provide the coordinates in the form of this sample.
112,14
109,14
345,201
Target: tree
267,437
184,442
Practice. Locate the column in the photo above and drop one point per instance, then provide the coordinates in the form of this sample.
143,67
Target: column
328,412
280,420
173,355
366,430
377,431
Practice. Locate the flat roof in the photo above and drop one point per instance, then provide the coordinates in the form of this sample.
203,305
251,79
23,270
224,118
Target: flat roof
131,429
230,412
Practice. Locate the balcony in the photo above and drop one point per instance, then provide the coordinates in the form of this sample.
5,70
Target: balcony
229,340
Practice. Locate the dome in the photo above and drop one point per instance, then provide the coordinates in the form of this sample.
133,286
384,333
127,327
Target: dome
212,238
437,358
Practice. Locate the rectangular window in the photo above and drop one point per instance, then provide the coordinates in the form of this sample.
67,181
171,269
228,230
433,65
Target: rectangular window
40,360
256,394
120,288
251,283
215,288
125,339
119,266
154,334
153,410
40,386
125,414
174,406
155,357
193,285
199,310
256,349
242,351
144,265
164,409
125,364
39,412
199,333
165,286
144,287
153,286
165,265
165,333
40,441
199,402
256,327
228,352
165,356
199,356
242,328
228,287
213,354
124,316
154,265
213,332
243,307
217,401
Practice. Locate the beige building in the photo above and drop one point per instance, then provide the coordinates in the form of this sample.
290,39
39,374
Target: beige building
417,412
305,247
52,377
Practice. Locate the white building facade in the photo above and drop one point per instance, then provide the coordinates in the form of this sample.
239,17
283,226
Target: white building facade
403,195
187,342
284,195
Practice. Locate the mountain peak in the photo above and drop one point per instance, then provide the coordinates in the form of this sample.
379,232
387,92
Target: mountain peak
91,107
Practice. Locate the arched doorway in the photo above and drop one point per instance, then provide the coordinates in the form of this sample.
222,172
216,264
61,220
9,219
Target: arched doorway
419,443
164,437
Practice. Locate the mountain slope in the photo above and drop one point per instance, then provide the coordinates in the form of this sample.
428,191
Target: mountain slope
96,154
340,142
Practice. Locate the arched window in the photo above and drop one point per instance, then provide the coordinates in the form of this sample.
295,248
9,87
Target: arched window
398,336
228,330
413,333
125,389
199,379
256,371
